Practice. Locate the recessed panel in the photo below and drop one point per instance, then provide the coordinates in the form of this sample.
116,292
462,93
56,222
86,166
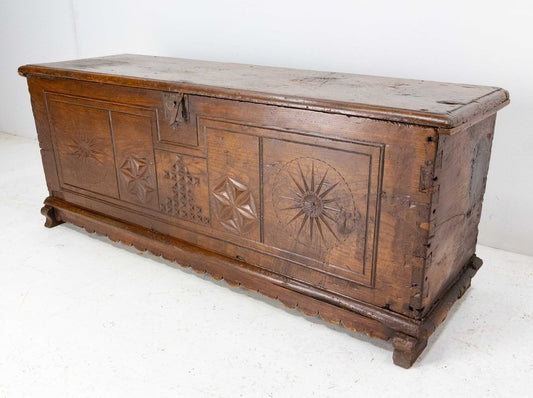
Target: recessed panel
234,183
320,203
84,147
135,158
183,189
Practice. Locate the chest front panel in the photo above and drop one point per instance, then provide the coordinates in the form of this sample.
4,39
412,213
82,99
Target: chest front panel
313,196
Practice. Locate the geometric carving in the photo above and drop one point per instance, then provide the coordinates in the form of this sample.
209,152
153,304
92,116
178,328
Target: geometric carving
235,206
314,203
85,148
182,203
135,171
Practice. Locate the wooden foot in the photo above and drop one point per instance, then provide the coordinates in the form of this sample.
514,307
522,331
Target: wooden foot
407,349
50,214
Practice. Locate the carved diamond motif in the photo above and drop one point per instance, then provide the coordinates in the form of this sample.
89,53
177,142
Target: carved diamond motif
235,206
134,170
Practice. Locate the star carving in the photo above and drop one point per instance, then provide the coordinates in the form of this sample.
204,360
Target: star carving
314,203
235,206
135,172
85,148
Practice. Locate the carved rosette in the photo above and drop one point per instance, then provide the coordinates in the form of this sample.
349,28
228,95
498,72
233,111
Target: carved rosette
235,206
135,172
182,202
314,204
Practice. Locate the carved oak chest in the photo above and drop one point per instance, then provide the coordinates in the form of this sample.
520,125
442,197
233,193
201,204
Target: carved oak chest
355,198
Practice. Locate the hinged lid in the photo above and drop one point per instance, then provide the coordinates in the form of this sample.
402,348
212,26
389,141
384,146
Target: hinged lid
446,106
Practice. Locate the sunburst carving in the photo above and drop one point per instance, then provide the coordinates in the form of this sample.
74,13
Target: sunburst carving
314,202
235,206
85,148
314,205
135,171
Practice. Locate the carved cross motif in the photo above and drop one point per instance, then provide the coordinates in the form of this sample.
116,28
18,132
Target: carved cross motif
182,202
235,206
134,170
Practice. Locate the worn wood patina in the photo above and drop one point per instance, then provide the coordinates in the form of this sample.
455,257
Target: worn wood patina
354,198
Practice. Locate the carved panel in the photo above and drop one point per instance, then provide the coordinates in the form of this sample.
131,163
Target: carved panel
322,204
86,148
314,203
134,170
182,200
235,206
135,158
83,145
235,182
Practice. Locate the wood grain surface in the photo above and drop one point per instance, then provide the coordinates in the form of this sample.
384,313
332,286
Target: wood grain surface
438,104
365,221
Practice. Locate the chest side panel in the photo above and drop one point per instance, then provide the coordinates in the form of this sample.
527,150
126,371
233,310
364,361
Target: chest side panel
460,177
339,203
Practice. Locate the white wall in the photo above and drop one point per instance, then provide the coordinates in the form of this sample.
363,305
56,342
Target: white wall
480,42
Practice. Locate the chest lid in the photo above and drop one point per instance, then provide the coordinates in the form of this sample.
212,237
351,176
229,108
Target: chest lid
445,106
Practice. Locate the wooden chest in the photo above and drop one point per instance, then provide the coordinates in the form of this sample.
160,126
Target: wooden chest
355,198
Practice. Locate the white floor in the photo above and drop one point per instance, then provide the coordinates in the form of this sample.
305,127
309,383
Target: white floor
81,316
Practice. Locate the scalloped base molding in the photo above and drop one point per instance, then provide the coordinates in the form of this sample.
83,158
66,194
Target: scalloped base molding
409,337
